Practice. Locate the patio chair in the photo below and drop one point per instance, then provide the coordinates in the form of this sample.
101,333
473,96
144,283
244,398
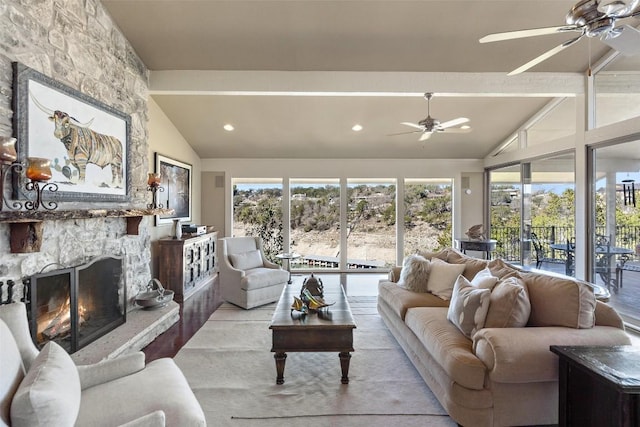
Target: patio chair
541,253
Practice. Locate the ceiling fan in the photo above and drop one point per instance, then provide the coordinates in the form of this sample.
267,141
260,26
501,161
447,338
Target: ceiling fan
591,18
429,125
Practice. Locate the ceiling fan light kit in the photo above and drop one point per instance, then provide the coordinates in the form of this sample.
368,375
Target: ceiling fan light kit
591,18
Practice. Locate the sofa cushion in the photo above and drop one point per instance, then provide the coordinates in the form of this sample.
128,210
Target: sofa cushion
257,278
415,273
502,270
510,306
12,371
246,260
484,279
468,306
442,277
442,254
557,301
472,265
50,392
400,299
447,345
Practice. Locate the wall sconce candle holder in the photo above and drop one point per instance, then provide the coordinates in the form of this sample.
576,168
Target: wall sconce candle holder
153,185
38,170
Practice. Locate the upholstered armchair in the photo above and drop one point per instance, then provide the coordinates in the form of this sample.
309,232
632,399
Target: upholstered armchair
247,278
46,388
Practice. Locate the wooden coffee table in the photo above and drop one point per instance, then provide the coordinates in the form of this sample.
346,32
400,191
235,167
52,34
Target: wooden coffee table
329,329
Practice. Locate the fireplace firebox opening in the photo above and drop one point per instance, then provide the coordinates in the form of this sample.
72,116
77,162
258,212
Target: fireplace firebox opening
77,305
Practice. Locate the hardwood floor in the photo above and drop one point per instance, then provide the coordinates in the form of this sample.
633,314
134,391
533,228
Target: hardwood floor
194,312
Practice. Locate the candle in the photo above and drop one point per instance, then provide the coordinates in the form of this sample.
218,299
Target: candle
154,179
8,149
38,169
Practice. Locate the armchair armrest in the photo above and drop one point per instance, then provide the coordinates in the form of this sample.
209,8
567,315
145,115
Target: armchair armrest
109,370
269,264
230,269
154,419
516,355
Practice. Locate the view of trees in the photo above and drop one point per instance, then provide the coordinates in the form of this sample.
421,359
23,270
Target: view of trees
371,216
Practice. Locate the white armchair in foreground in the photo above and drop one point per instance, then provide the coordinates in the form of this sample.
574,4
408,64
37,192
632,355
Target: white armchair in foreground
46,388
247,278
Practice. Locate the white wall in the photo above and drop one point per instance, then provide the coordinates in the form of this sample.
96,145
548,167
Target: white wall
165,139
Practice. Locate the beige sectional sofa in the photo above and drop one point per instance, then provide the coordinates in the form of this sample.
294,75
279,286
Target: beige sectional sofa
498,376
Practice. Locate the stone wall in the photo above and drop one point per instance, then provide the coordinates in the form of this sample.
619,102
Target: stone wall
76,43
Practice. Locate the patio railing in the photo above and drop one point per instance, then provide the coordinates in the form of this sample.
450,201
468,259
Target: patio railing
508,238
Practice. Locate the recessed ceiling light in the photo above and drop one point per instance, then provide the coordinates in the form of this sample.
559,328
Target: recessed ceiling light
228,127
356,128
465,127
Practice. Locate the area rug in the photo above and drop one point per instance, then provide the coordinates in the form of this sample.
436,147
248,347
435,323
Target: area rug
230,367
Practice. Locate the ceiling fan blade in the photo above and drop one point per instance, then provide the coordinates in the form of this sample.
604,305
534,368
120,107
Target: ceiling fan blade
627,43
454,122
456,130
548,54
425,136
404,133
520,34
413,125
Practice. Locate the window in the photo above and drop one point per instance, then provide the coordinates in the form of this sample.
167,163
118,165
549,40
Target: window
371,228
505,199
428,214
257,211
616,223
551,207
315,222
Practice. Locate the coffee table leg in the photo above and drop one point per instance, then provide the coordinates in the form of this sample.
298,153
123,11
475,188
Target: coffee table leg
345,358
280,359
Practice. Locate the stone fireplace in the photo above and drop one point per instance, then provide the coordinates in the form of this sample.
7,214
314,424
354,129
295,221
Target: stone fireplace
75,306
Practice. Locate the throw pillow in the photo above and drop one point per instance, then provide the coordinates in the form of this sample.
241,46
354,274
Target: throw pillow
502,270
50,392
415,273
442,277
472,265
468,307
484,279
246,260
510,306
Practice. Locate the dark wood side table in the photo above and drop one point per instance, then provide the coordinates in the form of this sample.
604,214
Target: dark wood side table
599,386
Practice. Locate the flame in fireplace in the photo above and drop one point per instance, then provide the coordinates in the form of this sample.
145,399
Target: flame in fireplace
60,325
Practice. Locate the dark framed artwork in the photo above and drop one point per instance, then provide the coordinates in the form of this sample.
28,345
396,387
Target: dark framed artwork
87,142
175,181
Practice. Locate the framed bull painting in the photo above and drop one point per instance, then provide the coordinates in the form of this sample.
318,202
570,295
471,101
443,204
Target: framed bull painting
175,193
87,142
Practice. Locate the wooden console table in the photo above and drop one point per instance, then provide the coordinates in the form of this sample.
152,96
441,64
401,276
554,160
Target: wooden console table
187,264
599,386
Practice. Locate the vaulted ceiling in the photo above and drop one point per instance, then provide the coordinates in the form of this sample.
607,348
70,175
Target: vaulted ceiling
293,77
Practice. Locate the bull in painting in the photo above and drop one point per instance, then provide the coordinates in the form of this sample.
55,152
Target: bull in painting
86,146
